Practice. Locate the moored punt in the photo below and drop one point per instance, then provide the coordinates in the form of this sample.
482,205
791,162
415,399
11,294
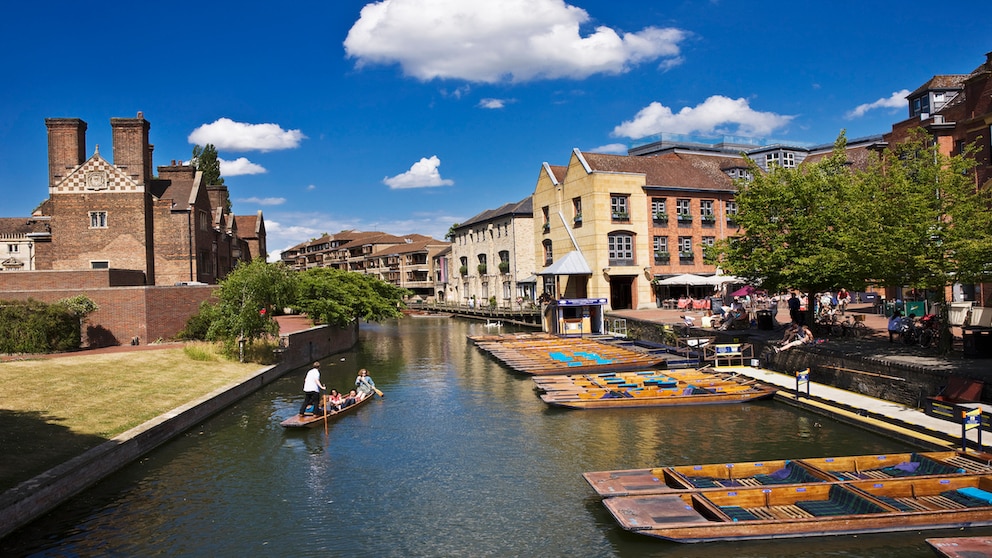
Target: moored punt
815,509
547,354
308,421
961,547
657,388
688,478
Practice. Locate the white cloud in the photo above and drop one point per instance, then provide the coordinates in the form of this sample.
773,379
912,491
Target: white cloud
262,201
895,101
619,148
494,103
228,135
423,174
311,188
239,166
490,42
716,115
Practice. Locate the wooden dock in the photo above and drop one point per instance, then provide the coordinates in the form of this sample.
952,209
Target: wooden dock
542,353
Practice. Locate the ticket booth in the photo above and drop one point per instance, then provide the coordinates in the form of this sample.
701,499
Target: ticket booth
575,317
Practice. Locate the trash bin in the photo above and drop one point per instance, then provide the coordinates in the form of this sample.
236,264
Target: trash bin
765,320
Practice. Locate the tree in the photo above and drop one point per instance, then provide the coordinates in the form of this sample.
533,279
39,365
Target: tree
935,228
799,227
206,161
450,235
337,297
247,297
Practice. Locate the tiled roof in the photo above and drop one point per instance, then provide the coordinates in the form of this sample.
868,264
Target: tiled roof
678,170
950,81
524,208
22,225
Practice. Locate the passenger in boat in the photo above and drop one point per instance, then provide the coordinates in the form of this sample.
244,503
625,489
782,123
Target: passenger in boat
350,400
805,337
311,389
334,401
364,382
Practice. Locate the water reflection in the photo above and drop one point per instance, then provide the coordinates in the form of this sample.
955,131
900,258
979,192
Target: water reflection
461,458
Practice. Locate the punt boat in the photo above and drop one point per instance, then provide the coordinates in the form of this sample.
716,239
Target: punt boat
689,478
651,388
316,419
814,509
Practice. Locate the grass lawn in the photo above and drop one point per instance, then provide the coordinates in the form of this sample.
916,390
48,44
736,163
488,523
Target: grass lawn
54,409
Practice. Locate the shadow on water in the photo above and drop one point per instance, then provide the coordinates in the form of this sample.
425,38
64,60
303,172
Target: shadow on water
461,458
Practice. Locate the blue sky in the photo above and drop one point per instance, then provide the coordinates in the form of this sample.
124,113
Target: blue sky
407,116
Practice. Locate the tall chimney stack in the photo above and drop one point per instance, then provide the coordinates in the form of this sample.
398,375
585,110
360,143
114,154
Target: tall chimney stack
66,147
132,152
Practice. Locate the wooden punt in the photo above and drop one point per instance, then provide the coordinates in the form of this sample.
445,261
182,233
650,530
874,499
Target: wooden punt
651,388
542,353
961,547
815,509
689,478
317,419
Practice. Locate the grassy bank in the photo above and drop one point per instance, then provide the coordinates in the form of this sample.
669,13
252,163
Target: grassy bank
54,409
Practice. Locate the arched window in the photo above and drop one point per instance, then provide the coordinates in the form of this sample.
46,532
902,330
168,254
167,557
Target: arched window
621,248
549,257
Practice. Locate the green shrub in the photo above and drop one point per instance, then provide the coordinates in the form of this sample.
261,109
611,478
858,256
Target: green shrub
36,327
198,324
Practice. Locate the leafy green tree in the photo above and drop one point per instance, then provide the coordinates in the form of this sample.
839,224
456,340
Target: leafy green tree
450,235
247,297
337,297
206,161
936,227
800,228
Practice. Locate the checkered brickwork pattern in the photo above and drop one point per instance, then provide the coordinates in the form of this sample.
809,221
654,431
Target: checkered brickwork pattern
78,180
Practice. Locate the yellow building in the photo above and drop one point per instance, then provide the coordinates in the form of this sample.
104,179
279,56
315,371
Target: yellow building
607,225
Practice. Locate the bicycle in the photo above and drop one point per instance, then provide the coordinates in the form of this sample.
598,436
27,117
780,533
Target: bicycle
855,326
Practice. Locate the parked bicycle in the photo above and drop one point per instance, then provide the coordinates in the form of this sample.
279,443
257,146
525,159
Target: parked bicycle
855,326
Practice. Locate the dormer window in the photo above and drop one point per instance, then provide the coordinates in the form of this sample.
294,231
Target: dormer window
788,160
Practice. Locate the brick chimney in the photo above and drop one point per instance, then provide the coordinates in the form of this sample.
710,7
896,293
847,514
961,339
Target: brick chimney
132,152
66,147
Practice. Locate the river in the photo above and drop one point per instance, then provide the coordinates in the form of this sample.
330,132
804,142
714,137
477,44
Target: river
460,458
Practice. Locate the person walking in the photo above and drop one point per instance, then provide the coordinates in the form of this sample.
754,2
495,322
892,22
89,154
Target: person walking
311,389
794,314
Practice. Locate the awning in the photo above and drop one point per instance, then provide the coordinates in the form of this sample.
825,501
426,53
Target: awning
571,263
685,279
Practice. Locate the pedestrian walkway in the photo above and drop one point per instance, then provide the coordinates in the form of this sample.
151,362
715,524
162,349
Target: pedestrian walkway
886,417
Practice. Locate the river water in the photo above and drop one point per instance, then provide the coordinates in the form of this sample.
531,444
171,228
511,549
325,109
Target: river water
461,458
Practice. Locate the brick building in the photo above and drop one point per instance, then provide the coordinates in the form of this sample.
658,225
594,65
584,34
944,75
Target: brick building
109,226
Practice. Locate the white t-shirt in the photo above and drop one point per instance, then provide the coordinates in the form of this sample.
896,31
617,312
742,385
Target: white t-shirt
312,381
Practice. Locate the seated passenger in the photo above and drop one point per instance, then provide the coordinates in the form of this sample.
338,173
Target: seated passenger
350,400
334,401
805,337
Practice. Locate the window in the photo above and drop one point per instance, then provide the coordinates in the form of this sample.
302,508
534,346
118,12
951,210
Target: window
548,254
709,240
659,211
482,264
11,248
504,261
577,210
683,207
619,207
731,209
100,264
547,219
621,249
98,219
706,211
771,159
788,160
463,266
204,219
685,247
506,290
661,244
916,107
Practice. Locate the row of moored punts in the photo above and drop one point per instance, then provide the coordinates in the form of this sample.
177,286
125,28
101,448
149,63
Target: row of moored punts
800,498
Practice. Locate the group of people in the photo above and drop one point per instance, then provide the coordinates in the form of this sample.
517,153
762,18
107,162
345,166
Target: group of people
364,386
897,322
795,335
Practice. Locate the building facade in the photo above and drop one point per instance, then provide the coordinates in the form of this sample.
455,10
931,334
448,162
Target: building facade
492,258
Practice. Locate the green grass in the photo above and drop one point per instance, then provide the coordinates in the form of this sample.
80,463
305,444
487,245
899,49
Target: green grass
54,409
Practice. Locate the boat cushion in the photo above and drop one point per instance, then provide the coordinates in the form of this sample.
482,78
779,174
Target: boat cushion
841,502
790,474
738,513
977,494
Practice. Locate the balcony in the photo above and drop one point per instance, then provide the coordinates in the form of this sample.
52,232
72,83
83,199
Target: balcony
504,267
463,270
482,269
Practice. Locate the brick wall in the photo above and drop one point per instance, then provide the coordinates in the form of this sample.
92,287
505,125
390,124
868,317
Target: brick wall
124,242
146,312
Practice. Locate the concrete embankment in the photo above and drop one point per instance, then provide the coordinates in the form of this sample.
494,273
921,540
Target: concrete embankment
32,498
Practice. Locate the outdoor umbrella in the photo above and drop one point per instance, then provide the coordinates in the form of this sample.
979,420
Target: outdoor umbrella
746,290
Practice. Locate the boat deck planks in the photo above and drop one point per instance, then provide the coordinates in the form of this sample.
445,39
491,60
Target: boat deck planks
961,547
542,353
